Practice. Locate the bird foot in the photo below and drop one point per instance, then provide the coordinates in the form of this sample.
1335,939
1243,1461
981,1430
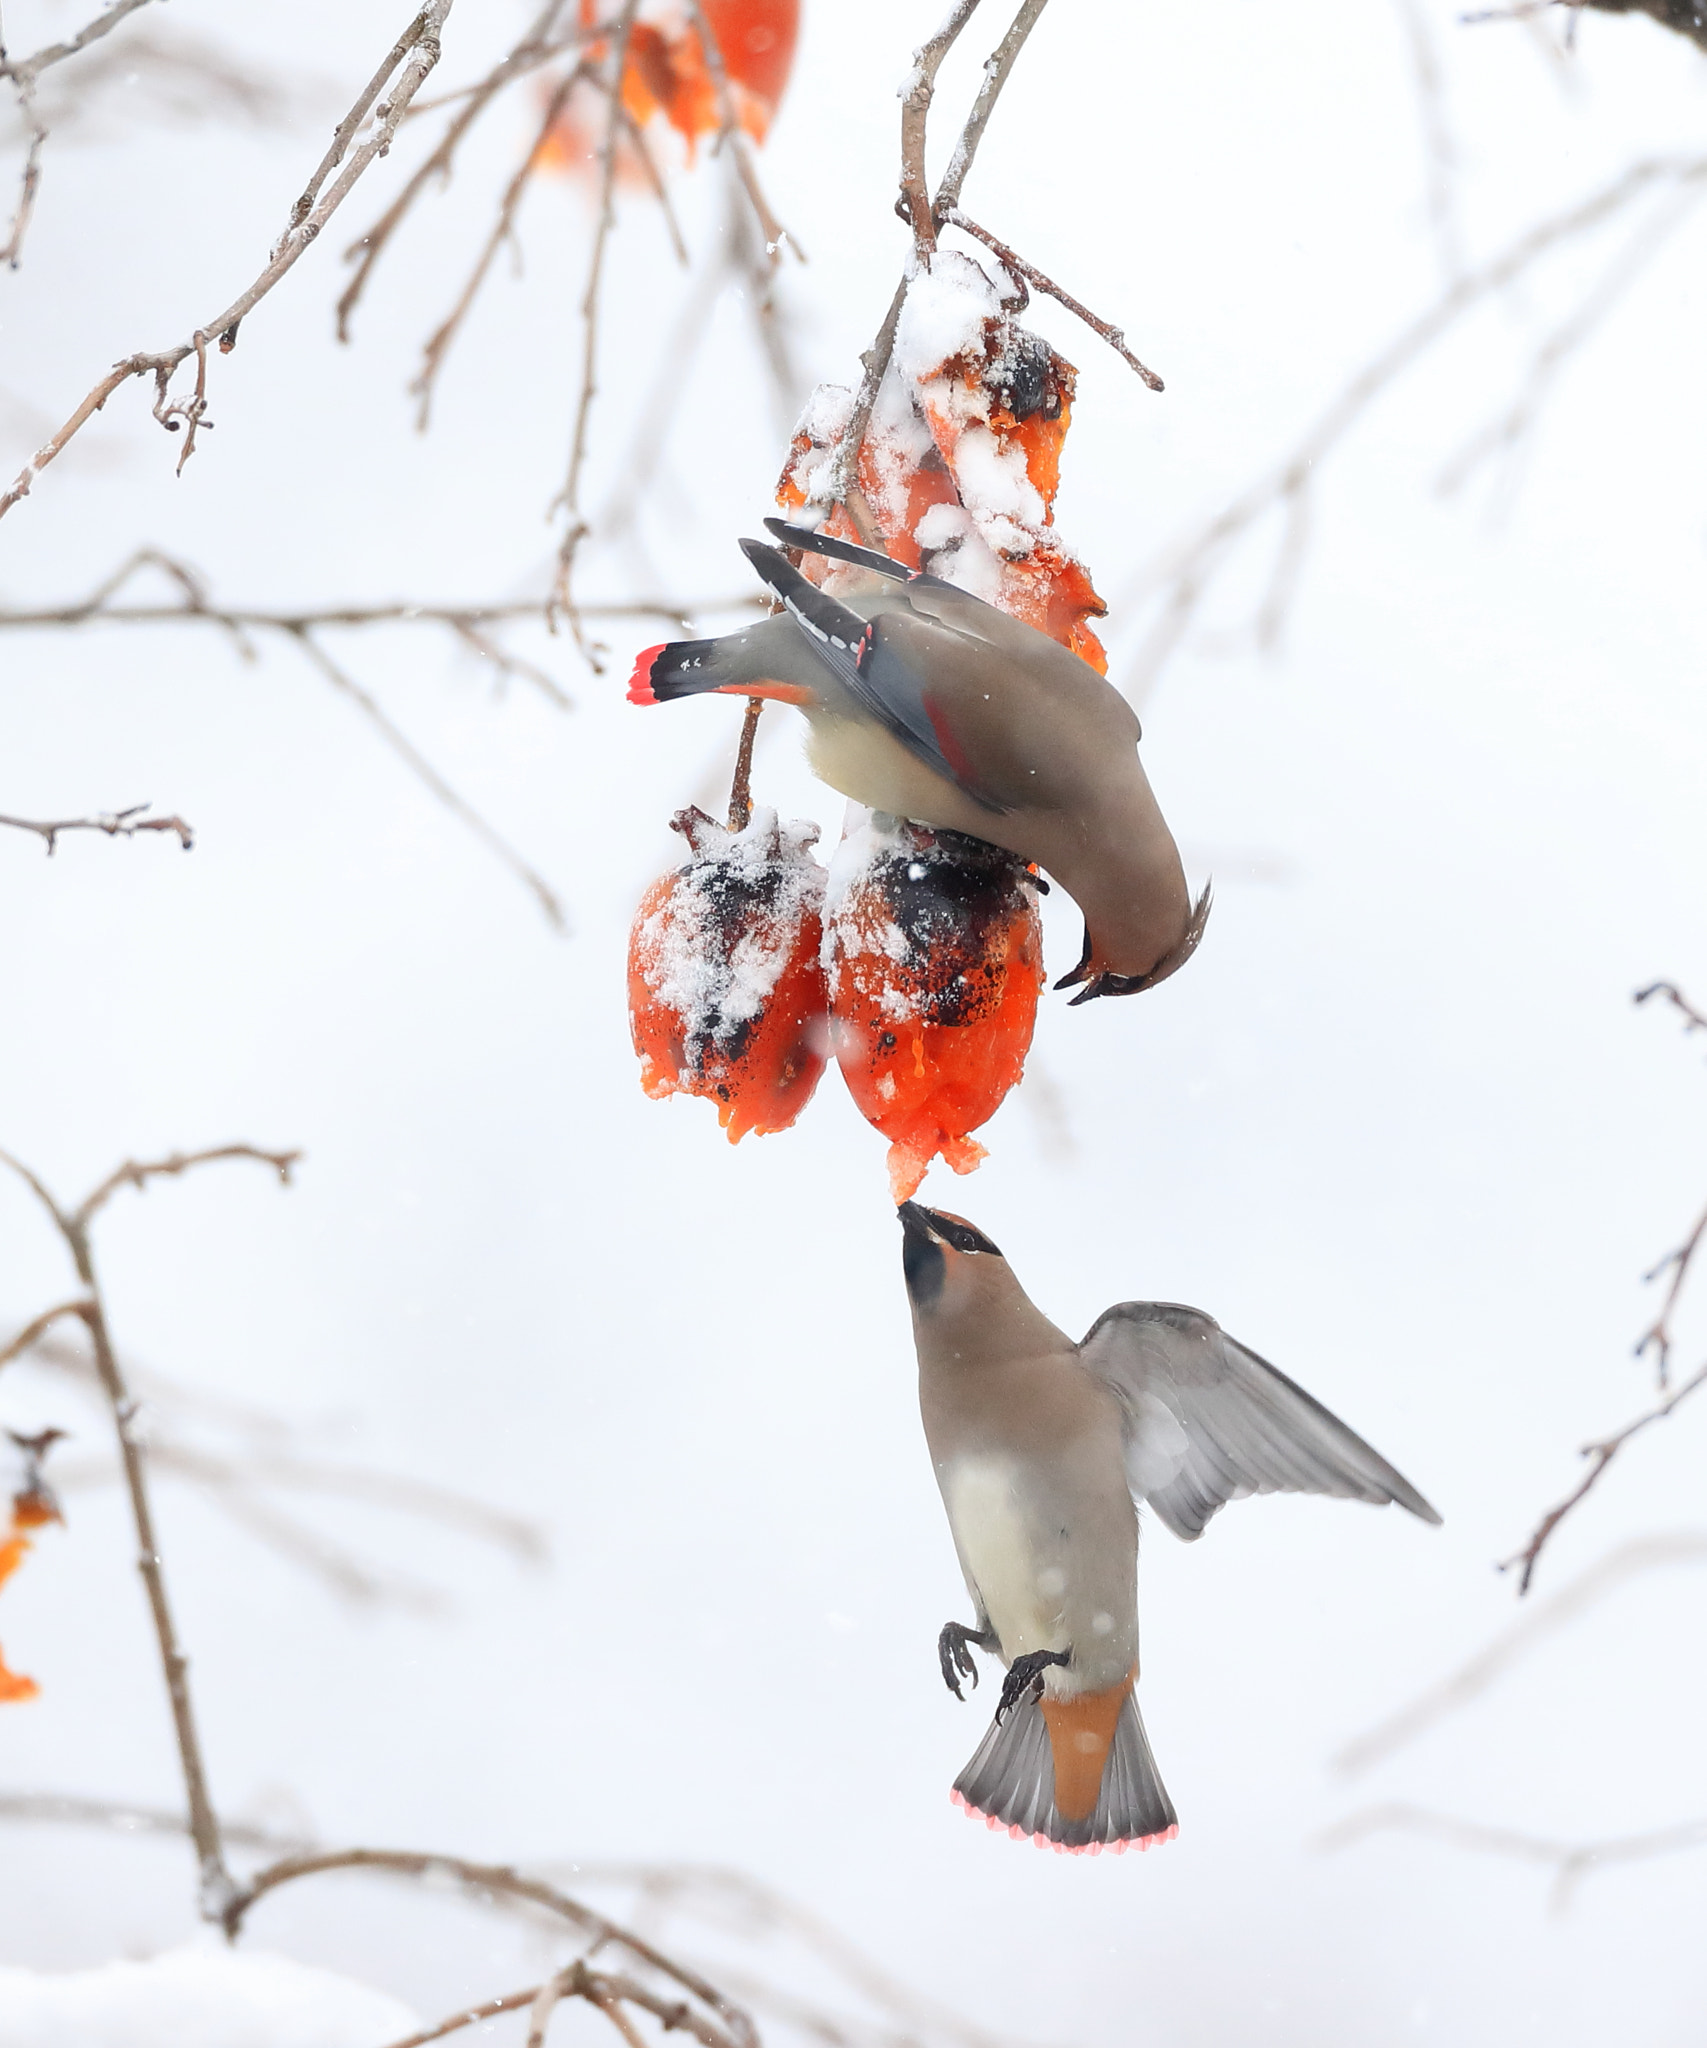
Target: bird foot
955,1654
1024,1674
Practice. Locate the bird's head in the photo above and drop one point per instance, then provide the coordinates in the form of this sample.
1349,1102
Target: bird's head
951,1266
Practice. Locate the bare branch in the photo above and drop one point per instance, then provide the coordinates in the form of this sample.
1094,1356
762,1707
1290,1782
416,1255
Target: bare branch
72,1809
576,528
741,789
438,344
1693,1019
24,71
916,95
424,770
32,1332
537,47
1035,277
471,2016
28,185
1192,568
1478,1673
216,1887
998,67
732,136
1571,1862
1600,1456
734,2028
416,52
115,824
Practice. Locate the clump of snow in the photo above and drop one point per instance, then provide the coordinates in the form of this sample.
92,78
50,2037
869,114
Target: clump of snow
715,947
203,1995
945,317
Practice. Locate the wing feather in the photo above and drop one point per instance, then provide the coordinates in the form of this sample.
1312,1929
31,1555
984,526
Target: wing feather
1207,1421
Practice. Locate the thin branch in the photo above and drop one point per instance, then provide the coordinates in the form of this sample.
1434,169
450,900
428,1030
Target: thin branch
417,53
216,1888
115,824
1600,1456
1693,1020
11,255
24,71
32,1332
576,528
72,1809
1439,150
1657,1337
1194,566
1477,1674
1571,1862
998,67
536,48
1115,338
438,344
426,773
733,137
471,2016
741,789
917,91
735,2029
843,477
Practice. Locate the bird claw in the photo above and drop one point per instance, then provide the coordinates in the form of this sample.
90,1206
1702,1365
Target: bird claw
955,1656
1024,1674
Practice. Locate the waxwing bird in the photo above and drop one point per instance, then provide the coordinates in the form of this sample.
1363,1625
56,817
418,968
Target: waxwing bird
926,702
1043,1450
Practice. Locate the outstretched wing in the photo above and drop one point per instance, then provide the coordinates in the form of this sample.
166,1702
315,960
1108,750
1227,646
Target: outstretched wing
1206,1421
886,678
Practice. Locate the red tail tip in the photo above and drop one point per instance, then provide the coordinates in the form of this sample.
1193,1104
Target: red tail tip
1019,1834
640,683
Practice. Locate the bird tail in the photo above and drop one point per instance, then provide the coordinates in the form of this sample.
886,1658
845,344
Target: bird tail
1076,1775
754,663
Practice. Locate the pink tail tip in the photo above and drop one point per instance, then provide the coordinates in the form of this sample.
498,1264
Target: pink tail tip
640,682
1138,1843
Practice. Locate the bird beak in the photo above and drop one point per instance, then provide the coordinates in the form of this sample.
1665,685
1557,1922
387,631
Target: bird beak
917,1223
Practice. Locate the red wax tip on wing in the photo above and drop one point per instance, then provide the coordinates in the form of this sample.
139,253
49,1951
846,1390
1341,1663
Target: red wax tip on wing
640,682
1016,1833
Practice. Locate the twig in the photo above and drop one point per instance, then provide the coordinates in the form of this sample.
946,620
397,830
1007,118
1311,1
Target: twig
471,2016
1600,1455
33,1332
1191,569
732,136
495,1878
1693,1019
438,343
576,528
535,48
412,59
115,824
28,185
1538,1625
216,1888
917,92
998,66
26,70
841,485
741,789
1570,1861
1439,150
1657,1337
425,772
1033,276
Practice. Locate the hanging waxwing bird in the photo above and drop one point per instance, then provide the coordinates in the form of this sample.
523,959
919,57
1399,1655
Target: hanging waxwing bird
926,702
1043,1450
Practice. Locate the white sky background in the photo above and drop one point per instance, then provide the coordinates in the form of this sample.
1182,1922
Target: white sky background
1397,1126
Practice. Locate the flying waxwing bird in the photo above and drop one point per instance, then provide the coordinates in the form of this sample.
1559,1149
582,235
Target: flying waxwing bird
930,704
1042,1449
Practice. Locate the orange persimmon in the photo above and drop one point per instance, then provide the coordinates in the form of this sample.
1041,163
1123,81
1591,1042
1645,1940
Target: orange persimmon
934,952
726,996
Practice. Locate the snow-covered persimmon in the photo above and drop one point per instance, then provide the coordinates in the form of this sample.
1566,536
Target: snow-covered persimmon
726,994
934,954
961,461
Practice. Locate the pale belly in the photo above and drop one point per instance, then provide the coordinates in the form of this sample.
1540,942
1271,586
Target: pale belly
1039,1587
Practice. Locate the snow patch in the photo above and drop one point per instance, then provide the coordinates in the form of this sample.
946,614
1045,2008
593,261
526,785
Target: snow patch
203,1995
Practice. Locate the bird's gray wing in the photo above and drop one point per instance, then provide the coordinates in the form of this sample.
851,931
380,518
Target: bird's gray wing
1205,1421
885,677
